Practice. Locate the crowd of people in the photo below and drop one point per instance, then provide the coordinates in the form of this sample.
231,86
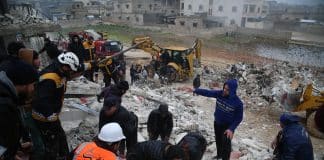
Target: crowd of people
31,101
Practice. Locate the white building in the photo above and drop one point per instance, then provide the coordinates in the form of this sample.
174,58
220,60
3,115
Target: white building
193,7
226,12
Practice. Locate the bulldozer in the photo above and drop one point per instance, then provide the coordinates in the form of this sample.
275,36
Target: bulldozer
310,100
174,63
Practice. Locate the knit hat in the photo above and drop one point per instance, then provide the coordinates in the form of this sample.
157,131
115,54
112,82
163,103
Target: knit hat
123,85
163,108
20,72
111,101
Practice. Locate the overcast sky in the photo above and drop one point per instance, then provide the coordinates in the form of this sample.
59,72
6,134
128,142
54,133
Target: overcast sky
310,2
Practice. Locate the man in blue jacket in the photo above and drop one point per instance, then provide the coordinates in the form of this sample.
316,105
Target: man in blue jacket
228,115
292,142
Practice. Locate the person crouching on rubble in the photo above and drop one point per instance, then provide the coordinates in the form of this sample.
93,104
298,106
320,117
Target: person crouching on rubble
17,80
48,101
104,146
228,115
194,146
293,141
160,122
112,111
117,90
155,150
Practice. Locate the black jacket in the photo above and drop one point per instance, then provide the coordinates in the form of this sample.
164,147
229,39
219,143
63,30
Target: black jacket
196,82
158,124
148,150
10,119
48,96
78,49
127,120
111,90
51,50
194,146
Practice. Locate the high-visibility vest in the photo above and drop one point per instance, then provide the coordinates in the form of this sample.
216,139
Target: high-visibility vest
90,151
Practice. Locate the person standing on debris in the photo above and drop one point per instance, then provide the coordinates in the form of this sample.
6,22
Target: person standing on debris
90,55
132,72
194,146
228,115
293,141
76,47
17,80
48,102
105,145
155,150
112,111
50,48
114,90
160,122
196,82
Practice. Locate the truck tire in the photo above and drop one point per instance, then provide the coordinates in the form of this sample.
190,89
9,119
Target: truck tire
312,128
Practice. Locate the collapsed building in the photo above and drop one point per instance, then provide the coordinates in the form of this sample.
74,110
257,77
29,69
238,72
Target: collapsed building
21,22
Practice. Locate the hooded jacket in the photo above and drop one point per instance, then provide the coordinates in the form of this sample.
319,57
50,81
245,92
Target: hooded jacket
229,110
77,48
51,50
10,119
295,143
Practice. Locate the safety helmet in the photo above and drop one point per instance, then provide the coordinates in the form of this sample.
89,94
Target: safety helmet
111,132
70,59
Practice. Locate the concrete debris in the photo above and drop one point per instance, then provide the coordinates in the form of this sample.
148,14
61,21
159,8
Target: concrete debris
258,87
81,86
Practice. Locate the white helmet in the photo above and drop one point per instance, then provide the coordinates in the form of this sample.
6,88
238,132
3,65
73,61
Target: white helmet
111,132
70,59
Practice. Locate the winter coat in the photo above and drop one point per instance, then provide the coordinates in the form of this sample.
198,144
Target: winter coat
111,90
127,120
295,143
10,119
157,124
148,150
78,49
196,82
194,146
51,50
49,94
229,110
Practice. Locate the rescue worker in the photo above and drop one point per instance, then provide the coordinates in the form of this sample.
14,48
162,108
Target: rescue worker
50,48
112,111
105,145
293,141
228,115
160,123
17,80
48,102
132,72
194,146
155,150
76,47
114,90
90,55
196,82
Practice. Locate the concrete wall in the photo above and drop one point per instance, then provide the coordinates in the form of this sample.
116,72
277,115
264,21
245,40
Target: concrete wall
275,34
189,23
192,7
129,18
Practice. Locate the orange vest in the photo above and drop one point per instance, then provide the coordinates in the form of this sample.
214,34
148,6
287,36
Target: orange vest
90,151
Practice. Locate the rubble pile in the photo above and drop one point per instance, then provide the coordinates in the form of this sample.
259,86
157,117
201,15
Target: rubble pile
258,85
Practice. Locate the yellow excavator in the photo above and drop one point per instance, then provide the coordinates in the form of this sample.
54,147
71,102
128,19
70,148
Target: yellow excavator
310,100
174,63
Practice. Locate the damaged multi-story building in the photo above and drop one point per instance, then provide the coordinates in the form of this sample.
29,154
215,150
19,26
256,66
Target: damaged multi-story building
22,22
142,12
223,13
